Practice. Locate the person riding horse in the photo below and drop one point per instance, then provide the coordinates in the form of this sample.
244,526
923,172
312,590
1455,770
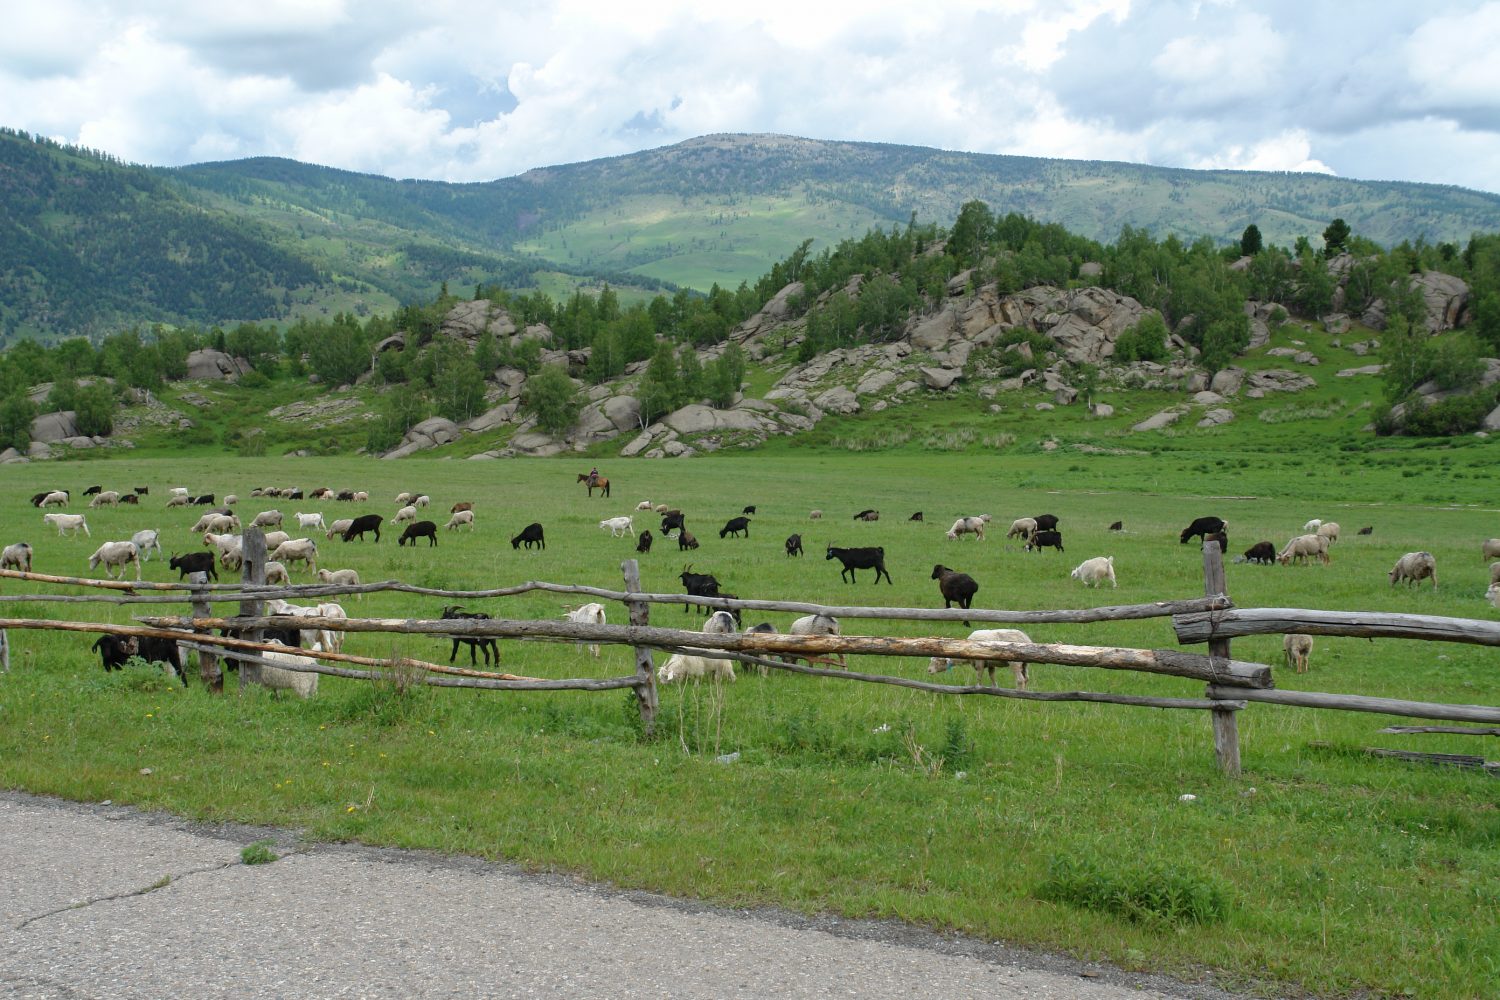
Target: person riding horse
594,476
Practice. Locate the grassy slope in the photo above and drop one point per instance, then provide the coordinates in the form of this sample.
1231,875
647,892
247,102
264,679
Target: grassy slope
1341,872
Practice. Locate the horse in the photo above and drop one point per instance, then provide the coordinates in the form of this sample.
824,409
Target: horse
600,482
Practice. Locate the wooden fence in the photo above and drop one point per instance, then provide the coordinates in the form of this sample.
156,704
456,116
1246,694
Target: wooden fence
1212,619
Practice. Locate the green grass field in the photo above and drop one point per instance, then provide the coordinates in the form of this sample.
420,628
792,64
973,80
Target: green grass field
1056,826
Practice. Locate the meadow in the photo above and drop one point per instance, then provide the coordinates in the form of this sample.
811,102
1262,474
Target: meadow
1062,827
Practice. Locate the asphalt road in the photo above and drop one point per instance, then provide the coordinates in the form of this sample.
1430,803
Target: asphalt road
108,902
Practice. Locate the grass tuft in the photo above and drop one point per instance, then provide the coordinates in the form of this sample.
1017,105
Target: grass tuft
1152,893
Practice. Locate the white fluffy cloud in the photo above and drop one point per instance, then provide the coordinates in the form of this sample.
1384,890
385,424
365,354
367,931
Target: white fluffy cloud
468,90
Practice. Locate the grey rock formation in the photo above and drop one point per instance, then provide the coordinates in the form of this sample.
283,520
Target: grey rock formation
208,363
1165,418
1215,417
57,426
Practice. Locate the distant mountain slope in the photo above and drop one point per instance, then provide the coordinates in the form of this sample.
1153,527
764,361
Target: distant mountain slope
88,244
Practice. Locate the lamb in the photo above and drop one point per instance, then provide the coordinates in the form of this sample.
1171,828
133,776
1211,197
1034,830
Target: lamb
1297,647
1261,552
267,519
339,527
422,500
586,614
968,526
314,520
19,556
461,517
956,587
313,638
486,644
1093,572
1414,567
65,523
107,498
1303,546
276,573
1022,528
113,554
407,513
816,515
941,664
303,550
617,526
1311,527
147,539
1329,530
339,577
1490,549
643,505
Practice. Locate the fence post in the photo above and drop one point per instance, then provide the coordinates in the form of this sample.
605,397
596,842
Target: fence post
252,571
640,614
1226,724
208,663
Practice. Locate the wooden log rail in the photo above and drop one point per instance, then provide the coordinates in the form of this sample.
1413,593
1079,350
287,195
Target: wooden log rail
1362,703
1160,661
1204,626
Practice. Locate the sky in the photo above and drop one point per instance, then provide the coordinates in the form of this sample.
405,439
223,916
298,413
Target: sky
462,90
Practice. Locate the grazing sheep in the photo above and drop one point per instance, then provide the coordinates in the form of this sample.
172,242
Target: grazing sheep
1117,526
462,505
222,523
586,614
194,562
1414,567
1022,528
314,520
112,554
1219,538
1303,546
92,491
1202,526
1368,529
940,664
147,539
686,540
957,588
461,517
1093,572
1490,549
749,509
339,527
793,545
276,573
681,666
1311,527
1329,530
57,498
231,499
419,529
181,501
107,498
361,496
1297,647
531,535
362,524
968,526
276,538
341,577
421,500
643,505
867,515
643,543
1494,572
816,515
303,550
818,625
1043,539
65,523
618,526
19,556
1261,552
304,683
403,498
661,508
407,513
267,519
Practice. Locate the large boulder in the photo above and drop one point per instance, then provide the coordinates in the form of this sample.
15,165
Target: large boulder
58,426
837,400
936,378
1446,298
698,419
934,332
1165,418
467,320
208,363
624,412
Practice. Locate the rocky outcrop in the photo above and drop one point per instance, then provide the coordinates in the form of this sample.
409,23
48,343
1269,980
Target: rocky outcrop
428,434
467,320
1165,418
207,363
1446,298
50,427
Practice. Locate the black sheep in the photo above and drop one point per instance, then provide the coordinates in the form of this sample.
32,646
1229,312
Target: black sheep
643,544
957,588
1045,539
419,529
362,524
1261,552
1202,526
194,562
531,535
1046,522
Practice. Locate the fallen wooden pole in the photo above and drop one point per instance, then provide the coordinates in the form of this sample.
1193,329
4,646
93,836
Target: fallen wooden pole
1202,626
1361,703
1451,730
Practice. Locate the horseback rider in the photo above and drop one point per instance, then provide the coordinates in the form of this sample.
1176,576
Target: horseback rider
594,476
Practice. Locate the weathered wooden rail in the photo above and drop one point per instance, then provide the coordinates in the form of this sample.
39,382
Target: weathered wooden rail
1213,619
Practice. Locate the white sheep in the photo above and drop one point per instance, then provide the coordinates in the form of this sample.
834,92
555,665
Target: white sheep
1414,567
1328,530
303,682
221,524
276,573
57,498
360,496
178,491
968,526
340,526
407,513
112,554
1093,572
815,515
643,505
275,538
267,519
331,639
586,614
146,540
18,556
340,577
314,520
231,499
1493,595
324,638
1311,527
1303,546
1494,573
720,623
201,525
303,550
1491,548
107,498
939,664
181,501
1022,528
65,523
817,625
403,498
461,517
1298,647
617,526
421,500
680,666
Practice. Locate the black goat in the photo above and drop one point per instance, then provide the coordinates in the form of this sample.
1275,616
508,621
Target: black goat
1222,537
531,535
1044,539
1202,526
643,543
749,510
1046,522
194,562
130,498
686,540
206,500
670,521
142,491
362,524
794,545
419,529
863,558
915,517
1261,552
1117,526
867,515
92,490
1368,530
957,588
698,585
486,644
37,498
115,650
735,526
346,496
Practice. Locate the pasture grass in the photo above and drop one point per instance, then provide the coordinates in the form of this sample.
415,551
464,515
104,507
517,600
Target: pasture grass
1054,826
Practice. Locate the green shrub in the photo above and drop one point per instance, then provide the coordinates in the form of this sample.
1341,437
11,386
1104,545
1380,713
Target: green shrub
1150,893
1146,341
258,853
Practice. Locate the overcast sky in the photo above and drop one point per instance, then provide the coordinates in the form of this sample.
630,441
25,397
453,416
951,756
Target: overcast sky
465,90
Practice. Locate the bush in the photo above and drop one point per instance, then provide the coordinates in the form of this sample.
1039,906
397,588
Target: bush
552,399
1146,341
1152,893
